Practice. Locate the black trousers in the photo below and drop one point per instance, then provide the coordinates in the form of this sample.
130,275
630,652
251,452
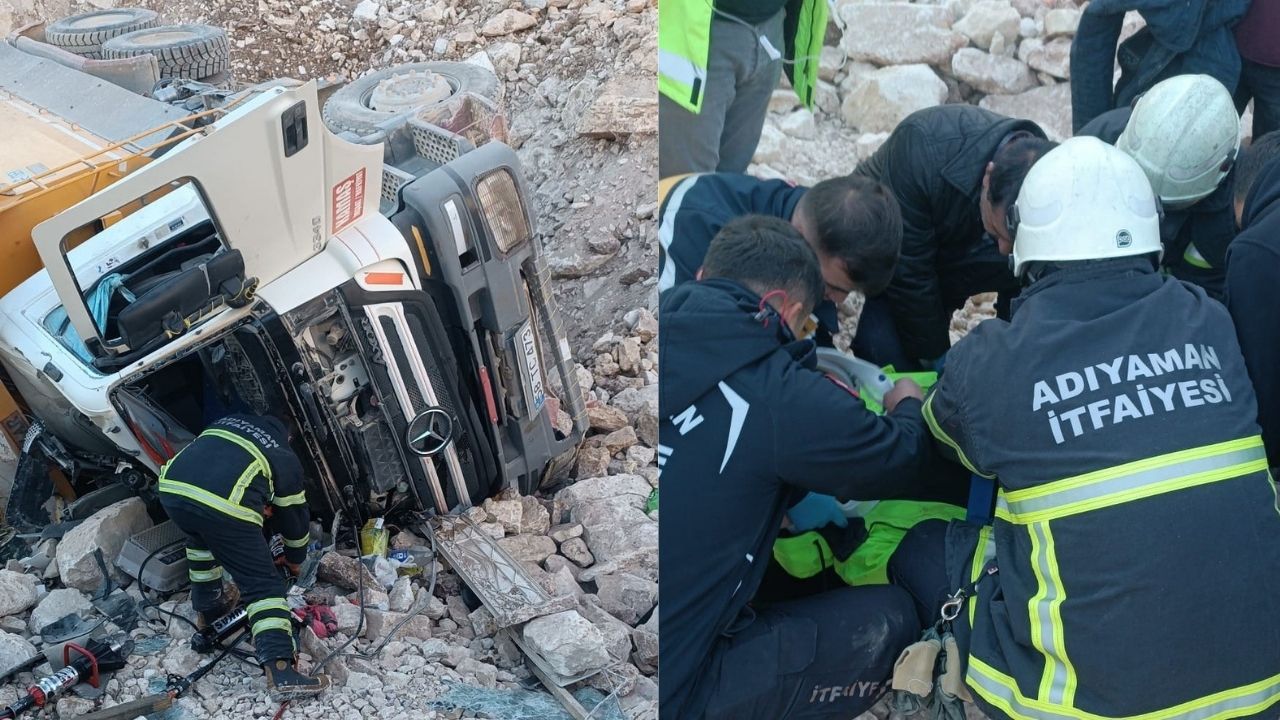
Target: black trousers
216,540
830,655
1261,84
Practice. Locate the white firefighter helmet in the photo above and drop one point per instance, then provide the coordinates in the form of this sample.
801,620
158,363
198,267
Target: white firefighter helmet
1185,134
1084,200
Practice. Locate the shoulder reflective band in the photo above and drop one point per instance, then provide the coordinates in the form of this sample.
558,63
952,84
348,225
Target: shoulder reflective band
942,436
1058,682
259,460
1133,481
208,499
1002,691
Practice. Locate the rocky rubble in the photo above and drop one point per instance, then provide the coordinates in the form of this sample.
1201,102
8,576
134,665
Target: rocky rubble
591,538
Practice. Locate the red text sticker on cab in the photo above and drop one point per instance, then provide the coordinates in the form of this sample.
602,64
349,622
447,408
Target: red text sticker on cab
348,201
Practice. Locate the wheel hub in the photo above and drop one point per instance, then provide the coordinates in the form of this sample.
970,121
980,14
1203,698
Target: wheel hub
410,90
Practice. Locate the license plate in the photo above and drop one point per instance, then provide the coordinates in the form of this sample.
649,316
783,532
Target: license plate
533,369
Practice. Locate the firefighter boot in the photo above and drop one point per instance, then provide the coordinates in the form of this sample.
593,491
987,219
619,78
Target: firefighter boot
286,683
228,599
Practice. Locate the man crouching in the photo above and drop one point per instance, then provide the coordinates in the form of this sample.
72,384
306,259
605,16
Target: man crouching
748,429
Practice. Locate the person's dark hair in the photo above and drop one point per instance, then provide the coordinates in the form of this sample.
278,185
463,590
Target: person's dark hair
766,254
1012,163
857,221
1252,159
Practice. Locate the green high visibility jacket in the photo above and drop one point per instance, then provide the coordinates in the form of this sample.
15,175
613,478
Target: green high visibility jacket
684,40
1135,529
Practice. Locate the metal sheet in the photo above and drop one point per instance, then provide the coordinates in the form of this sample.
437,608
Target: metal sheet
497,579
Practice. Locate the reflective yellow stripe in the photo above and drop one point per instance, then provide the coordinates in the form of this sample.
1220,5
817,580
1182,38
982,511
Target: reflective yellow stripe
298,498
204,575
1134,481
199,555
267,604
260,460
242,482
942,436
1058,682
1193,258
272,623
982,554
1002,691
208,499
299,543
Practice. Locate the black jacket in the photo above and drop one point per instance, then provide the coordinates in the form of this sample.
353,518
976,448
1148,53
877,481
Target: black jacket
1181,37
934,162
1135,515
748,427
1210,223
231,477
699,205
1253,289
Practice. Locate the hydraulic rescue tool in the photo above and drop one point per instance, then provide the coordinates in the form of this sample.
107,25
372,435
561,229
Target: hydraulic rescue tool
91,660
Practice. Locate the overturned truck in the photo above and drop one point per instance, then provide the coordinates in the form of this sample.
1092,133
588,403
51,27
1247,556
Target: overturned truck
382,288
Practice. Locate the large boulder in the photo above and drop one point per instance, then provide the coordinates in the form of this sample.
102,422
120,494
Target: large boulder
57,605
890,94
17,592
1049,106
900,34
641,408
987,19
631,488
15,649
105,530
626,596
568,642
1052,57
624,106
1061,21
992,73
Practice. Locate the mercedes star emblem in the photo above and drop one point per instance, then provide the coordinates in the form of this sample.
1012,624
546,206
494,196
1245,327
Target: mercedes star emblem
430,431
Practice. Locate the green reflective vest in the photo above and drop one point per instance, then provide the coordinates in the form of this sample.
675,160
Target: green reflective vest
886,522
684,39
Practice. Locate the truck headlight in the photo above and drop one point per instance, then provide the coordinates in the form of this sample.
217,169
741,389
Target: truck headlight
503,210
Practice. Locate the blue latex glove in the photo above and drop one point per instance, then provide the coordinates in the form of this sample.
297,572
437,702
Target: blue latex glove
815,511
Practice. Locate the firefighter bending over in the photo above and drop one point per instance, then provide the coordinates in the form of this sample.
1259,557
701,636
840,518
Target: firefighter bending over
218,490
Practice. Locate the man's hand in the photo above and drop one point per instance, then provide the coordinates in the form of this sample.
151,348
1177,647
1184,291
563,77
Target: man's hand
903,388
294,568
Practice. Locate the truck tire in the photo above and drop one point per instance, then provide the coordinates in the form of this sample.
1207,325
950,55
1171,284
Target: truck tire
183,51
349,109
84,34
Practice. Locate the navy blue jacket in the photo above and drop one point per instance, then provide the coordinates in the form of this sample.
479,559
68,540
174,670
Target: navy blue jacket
1210,223
748,427
700,205
1182,37
1253,279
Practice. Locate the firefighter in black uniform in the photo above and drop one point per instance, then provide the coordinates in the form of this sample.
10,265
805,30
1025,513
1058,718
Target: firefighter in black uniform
1135,567
218,490
749,427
